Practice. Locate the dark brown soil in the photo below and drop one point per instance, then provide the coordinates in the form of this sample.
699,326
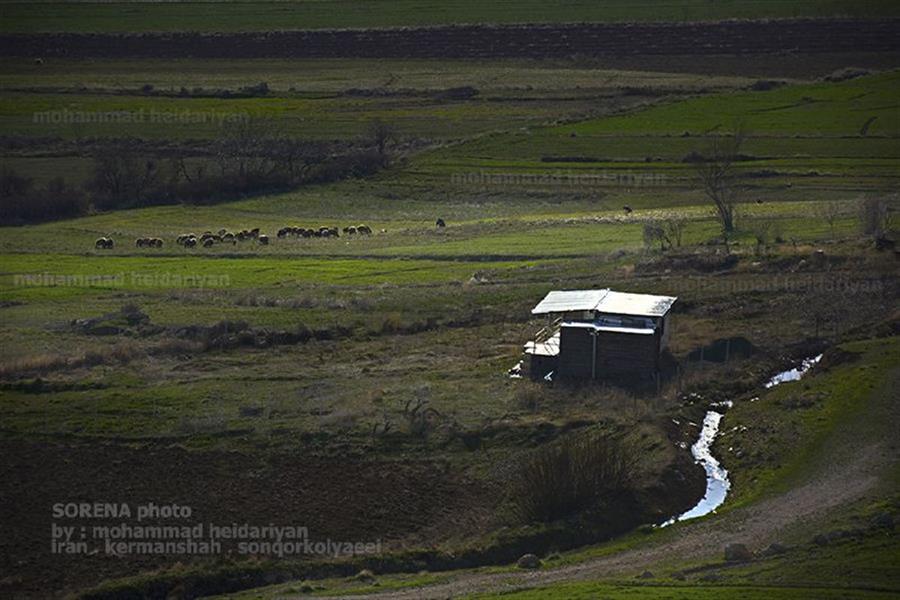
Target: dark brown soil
341,499
742,38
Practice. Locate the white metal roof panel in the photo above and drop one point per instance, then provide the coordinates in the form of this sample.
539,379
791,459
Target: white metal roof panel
606,301
568,301
645,305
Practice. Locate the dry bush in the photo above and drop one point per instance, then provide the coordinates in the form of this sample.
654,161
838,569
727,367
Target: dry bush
343,420
32,365
201,425
874,216
578,473
43,364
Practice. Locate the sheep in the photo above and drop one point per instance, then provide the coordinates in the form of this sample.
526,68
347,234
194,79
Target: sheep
440,223
207,243
264,240
229,237
254,233
222,232
104,243
190,242
156,242
364,229
627,209
140,242
349,230
283,232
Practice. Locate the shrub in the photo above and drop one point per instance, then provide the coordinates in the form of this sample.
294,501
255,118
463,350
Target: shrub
578,473
874,216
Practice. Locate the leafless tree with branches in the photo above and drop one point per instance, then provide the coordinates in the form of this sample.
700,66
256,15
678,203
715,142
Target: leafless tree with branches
715,171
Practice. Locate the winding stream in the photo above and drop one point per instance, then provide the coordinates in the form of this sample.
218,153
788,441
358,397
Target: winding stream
717,482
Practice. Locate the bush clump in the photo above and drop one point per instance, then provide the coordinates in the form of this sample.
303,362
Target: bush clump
578,473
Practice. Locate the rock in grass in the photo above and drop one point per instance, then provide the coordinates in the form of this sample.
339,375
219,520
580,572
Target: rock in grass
883,521
775,549
528,561
737,553
365,576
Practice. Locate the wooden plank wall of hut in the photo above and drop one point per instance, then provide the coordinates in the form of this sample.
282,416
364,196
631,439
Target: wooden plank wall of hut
626,352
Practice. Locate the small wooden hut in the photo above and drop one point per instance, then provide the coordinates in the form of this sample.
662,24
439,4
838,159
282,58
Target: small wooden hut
599,334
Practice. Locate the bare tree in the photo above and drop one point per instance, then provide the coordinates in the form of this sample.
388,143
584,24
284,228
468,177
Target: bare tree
243,149
674,230
762,228
653,233
875,216
121,175
830,212
715,171
382,135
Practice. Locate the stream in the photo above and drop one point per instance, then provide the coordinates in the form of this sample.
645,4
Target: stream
717,482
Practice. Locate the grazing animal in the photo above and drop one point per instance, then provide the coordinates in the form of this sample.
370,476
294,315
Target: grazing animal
350,230
440,223
207,243
39,61
364,229
283,232
190,242
627,209
104,243
140,242
156,242
254,233
264,240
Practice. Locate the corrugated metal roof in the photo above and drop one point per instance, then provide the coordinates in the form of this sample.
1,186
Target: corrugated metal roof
568,301
644,305
606,301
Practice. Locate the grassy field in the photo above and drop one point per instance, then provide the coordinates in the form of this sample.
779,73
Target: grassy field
306,14
201,374
817,129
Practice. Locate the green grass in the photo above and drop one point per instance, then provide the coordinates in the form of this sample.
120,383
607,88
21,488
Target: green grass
313,78
798,125
584,591
842,408
309,14
83,273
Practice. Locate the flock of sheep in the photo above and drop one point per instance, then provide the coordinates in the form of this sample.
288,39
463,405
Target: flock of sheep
325,232
208,239
223,236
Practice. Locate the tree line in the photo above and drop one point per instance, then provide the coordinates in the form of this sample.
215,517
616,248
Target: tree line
245,159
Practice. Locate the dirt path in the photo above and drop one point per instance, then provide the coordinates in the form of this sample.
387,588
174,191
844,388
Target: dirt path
850,472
